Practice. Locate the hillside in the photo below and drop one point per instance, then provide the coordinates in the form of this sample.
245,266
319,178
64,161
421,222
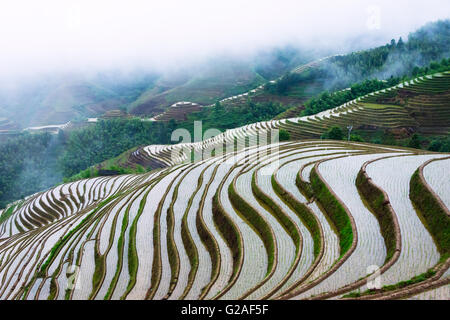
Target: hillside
204,88
178,111
61,99
305,87
218,78
270,221
64,97
226,156
241,215
421,105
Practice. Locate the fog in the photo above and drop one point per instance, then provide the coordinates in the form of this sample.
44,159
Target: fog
65,36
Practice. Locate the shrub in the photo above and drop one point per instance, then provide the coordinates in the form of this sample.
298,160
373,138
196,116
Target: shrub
436,218
378,204
284,135
435,145
440,144
414,142
334,133
356,137
255,220
334,210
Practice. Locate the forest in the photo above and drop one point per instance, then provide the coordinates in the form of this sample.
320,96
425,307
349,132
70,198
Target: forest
34,162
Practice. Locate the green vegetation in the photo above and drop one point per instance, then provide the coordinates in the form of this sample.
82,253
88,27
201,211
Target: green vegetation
172,252
335,211
108,139
99,272
7,213
284,135
120,249
356,137
395,58
224,117
440,144
334,133
400,285
277,212
289,80
58,245
114,166
395,61
229,232
53,289
379,206
35,162
338,133
328,100
435,216
254,219
419,141
302,211
133,261
414,142
28,164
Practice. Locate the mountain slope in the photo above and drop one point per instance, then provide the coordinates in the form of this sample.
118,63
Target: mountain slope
421,104
61,98
244,229
204,88
263,219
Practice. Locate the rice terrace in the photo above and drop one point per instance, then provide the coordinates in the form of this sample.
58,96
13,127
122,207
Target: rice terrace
306,182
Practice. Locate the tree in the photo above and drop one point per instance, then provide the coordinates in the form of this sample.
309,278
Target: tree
393,43
334,133
414,142
356,137
61,136
400,44
284,135
441,144
435,145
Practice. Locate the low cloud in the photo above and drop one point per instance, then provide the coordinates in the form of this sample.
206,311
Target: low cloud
64,36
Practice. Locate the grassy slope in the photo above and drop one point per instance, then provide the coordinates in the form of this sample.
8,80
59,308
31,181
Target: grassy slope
204,88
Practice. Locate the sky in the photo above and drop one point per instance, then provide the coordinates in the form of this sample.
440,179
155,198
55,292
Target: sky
66,35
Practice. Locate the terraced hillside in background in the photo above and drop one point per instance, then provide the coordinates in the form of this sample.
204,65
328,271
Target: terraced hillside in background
212,82
294,220
61,99
294,97
241,216
421,104
178,111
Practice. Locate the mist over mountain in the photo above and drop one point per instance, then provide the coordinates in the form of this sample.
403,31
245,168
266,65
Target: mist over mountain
197,150
92,36
63,62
